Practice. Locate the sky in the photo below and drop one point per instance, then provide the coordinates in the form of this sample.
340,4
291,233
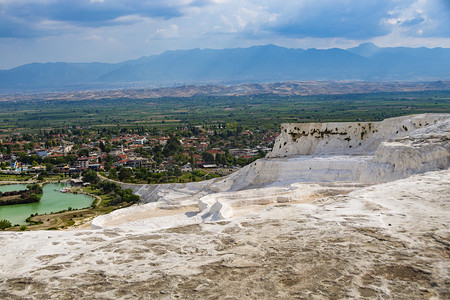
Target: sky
114,31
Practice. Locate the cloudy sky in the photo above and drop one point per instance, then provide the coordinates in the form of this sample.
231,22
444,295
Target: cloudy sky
117,30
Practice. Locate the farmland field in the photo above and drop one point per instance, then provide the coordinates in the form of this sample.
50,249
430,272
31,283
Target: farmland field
251,112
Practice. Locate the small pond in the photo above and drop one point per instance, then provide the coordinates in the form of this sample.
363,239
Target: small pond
52,201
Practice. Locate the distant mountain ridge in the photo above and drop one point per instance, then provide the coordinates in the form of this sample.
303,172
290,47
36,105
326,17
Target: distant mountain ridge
267,63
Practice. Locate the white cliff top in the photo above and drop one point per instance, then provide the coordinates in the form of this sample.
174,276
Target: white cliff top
353,138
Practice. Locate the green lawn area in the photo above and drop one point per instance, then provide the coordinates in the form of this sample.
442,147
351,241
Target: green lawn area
104,198
15,177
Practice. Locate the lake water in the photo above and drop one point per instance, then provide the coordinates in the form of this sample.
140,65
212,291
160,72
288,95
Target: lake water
12,187
51,201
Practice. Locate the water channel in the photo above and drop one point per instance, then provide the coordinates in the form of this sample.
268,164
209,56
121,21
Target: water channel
52,201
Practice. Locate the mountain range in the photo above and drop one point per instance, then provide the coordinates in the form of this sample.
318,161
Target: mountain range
268,63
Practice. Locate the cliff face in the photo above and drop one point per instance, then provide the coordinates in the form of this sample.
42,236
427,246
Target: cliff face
360,153
352,138
366,152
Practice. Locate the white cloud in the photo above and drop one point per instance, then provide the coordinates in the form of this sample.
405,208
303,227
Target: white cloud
93,37
168,32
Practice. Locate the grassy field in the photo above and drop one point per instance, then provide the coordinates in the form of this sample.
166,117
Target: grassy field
15,177
251,112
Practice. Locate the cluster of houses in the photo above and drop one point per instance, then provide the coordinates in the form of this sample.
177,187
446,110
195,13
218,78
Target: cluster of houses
125,153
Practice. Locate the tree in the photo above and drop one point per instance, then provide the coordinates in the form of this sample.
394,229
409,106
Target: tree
112,173
101,145
90,176
4,224
48,167
125,173
208,157
35,188
83,152
172,147
133,198
108,187
177,171
32,198
261,154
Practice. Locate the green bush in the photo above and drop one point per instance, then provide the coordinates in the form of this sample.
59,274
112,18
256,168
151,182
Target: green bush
4,224
90,176
35,188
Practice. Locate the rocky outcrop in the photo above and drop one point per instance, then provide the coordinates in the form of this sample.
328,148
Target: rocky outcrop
357,152
363,152
352,138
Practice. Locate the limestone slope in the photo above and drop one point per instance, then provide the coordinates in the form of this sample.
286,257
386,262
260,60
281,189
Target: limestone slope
360,151
386,241
354,138
320,154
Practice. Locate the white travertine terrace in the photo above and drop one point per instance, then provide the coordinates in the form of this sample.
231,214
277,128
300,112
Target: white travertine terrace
354,138
316,219
358,152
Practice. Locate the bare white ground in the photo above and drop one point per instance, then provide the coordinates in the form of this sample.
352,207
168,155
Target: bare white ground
388,240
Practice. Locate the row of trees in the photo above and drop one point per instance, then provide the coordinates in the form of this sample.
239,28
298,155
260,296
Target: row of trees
118,194
31,195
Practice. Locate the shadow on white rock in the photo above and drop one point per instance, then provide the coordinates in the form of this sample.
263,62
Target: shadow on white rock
359,152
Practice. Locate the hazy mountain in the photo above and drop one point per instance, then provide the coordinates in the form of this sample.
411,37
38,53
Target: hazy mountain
254,64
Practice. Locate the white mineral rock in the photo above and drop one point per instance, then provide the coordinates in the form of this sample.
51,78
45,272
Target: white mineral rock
359,152
315,219
351,138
